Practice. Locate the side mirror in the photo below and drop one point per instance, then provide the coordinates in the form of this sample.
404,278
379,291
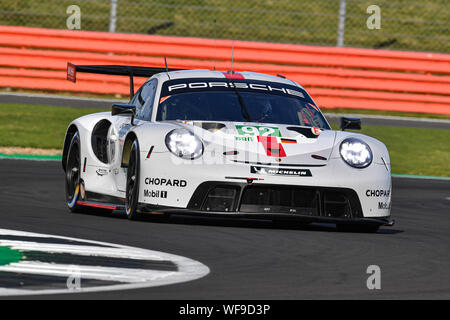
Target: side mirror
124,109
350,123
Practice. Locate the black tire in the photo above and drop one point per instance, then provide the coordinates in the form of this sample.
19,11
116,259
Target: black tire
73,169
359,228
73,181
132,187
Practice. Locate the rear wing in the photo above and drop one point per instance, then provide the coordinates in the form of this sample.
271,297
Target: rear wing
130,71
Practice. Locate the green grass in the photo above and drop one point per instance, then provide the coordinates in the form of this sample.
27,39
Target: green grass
415,151
36,126
420,25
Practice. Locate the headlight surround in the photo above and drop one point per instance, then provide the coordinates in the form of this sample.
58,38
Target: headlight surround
356,153
184,144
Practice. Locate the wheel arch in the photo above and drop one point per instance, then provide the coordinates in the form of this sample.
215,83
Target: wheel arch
127,145
71,130
99,140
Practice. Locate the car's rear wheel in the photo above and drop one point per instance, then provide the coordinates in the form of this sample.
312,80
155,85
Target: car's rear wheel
73,179
132,187
73,169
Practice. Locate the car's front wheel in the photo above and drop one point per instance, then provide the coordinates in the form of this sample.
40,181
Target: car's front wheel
132,187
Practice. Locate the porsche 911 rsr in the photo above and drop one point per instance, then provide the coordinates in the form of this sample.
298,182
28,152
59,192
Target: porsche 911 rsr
211,143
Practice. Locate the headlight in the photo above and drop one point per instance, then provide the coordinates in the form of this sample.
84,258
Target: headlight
356,153
184,144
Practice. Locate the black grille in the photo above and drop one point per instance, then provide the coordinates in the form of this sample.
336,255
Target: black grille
280,199
272,199
336,204
221,199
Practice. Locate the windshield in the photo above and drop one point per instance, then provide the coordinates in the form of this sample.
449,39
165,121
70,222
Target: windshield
239,101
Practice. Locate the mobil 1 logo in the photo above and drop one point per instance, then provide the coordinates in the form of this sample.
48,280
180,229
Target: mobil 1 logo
155,194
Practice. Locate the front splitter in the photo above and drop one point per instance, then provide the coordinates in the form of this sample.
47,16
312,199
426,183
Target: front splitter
382,221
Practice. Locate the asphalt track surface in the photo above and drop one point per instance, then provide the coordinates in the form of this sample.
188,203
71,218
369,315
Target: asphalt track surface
77,102
255,260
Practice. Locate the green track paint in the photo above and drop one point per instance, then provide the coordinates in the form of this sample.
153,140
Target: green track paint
8,255
30,157
416,176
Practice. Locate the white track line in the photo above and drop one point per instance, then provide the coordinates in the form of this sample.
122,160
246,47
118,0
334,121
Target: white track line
131,278
87,272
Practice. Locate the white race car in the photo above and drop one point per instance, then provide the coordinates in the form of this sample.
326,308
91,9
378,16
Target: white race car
212,143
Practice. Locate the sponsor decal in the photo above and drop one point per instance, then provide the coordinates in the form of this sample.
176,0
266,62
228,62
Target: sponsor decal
101,172
238,85
270,137
378,193
258,131
245,139
316,131
384,205
280,171
176,86
272,146
166,182
286,140
155,194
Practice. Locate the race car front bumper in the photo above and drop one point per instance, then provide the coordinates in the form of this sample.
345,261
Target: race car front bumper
274,202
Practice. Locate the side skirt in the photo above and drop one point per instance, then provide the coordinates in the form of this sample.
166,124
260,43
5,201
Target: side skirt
103,201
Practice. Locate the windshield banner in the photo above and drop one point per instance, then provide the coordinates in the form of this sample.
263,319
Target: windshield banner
177,86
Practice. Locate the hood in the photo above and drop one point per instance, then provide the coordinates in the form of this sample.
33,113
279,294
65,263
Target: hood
264,143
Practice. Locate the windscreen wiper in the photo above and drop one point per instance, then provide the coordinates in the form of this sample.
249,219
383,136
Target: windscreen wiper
244,109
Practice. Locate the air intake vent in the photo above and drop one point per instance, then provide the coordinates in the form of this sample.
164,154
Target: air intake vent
337,205
261,198
221,198
271,199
